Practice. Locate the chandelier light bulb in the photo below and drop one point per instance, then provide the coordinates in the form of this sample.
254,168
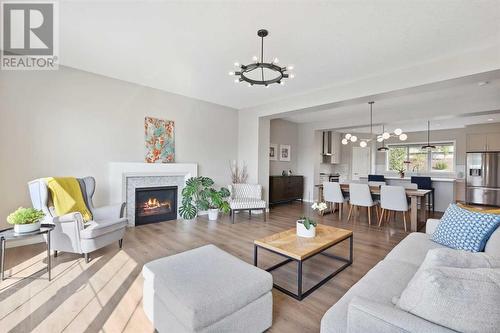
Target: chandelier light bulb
344,141
362,144
236,80
282,83
231,73
276,60
354,138
348,136
380,139
386,135
237,64
290,68
255,58
292,76
398,131
403,137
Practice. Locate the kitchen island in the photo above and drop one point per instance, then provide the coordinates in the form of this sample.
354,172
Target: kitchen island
444,189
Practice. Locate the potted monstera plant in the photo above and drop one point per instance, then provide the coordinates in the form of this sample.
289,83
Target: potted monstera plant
25,219
200,195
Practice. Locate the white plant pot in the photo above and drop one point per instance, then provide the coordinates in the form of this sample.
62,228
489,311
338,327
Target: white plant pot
25,228
213,214
303,232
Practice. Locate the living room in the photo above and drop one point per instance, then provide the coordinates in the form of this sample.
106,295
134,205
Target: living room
349,159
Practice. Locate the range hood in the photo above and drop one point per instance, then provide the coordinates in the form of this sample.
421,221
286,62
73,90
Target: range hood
327,143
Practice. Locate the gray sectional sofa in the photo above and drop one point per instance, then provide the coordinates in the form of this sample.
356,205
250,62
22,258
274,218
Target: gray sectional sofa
368,306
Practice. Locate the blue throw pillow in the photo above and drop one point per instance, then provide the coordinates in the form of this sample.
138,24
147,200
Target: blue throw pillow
465,230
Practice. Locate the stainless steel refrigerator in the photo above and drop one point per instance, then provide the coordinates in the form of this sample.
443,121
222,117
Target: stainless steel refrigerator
483,178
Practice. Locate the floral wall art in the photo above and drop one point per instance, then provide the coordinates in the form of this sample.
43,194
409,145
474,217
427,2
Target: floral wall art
160,144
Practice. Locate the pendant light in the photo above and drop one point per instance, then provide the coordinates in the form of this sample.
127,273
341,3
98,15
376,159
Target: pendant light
428,145
398,132
384,148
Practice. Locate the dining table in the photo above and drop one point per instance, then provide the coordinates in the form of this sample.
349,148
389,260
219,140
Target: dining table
415,196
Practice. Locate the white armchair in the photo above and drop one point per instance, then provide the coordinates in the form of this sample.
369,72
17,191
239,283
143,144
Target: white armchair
246,197
71,234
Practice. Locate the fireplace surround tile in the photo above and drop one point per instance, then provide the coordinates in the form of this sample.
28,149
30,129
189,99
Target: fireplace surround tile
131,182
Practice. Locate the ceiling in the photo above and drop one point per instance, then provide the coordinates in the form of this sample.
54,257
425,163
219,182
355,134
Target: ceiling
466,102
188,47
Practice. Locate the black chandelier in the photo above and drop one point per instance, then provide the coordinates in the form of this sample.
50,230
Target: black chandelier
250,73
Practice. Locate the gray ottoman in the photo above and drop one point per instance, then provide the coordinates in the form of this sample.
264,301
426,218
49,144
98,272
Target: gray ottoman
207,290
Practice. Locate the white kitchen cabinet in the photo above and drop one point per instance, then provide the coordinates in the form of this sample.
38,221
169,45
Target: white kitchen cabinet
476,142
483,142
493,141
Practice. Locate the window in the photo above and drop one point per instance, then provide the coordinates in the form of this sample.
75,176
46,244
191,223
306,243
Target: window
441,159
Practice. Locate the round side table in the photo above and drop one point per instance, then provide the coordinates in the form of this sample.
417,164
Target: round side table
9,234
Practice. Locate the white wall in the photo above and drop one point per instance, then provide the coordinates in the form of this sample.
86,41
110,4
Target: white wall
284,132
249,137
72,123
308,164
263,142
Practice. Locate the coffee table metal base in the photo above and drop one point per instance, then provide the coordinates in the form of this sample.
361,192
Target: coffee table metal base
300,295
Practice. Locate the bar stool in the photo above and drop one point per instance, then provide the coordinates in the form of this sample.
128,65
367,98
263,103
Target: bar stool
425,183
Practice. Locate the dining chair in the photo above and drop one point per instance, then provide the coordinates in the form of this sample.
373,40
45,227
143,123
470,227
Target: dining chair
360,196
376,178
425,183
393,199
333,195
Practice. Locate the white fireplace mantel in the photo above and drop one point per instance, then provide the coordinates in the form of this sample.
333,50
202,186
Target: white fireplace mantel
120,173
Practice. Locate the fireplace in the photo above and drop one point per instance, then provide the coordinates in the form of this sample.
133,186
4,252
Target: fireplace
155,204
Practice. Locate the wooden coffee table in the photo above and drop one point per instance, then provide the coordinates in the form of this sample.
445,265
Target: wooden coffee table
287,244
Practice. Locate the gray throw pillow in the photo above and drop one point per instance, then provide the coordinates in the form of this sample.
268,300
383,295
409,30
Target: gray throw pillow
445,293
445,257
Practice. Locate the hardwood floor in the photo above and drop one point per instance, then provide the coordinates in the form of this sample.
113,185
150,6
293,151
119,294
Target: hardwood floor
105,295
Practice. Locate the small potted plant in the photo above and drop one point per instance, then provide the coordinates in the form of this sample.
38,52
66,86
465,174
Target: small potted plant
25,219
306,227
401,171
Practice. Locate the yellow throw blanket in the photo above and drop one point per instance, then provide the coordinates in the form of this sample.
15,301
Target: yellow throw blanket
67,196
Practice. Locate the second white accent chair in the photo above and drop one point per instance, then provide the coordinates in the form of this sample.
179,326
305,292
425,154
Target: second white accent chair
333,195
360,196
246,197
393,199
